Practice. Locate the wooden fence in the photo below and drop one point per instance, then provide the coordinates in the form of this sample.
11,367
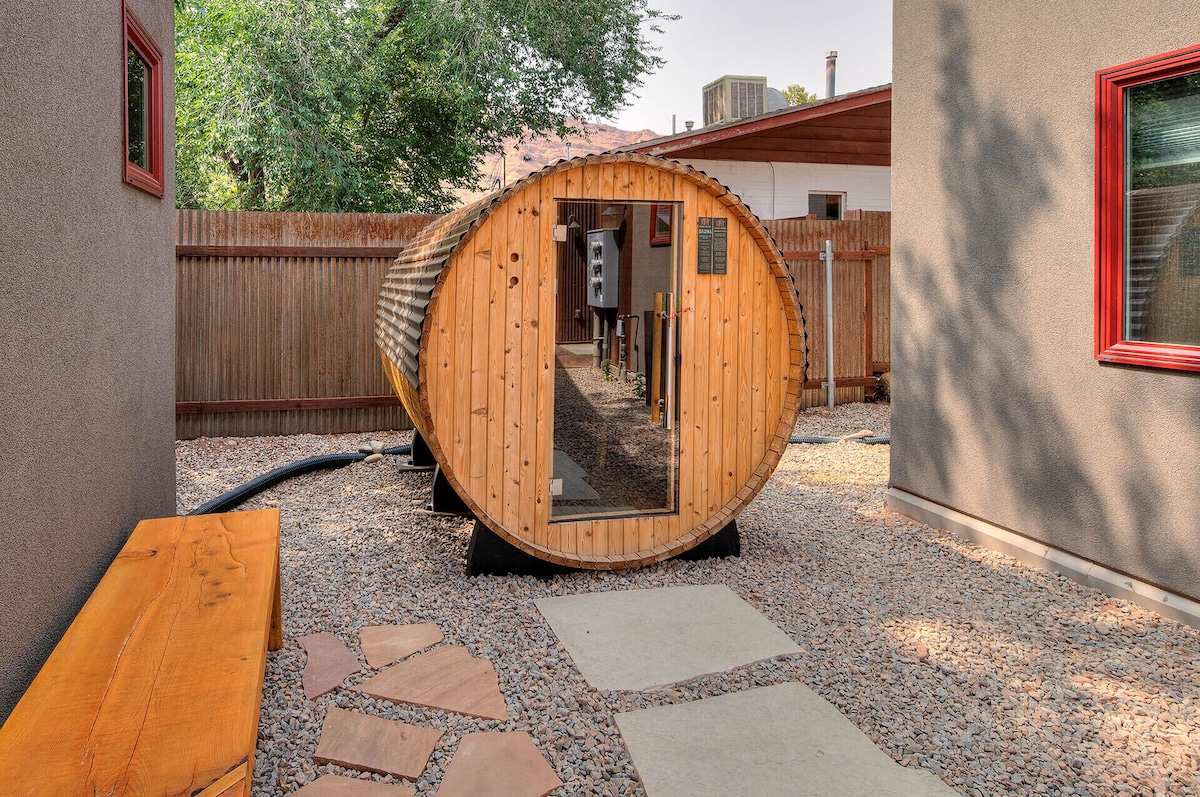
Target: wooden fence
275,322
861,297
275,316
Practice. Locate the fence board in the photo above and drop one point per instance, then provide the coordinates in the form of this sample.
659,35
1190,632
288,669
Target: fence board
862,302
278,309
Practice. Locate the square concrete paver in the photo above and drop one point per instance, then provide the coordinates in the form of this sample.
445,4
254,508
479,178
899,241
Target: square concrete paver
650,637
778,740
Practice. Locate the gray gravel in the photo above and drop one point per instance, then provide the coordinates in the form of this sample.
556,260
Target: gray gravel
1000,678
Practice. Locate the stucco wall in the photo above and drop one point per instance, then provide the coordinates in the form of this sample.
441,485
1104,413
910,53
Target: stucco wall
999,409
87,302
780,190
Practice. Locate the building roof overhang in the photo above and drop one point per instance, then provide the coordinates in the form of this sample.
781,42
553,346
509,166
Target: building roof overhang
853,129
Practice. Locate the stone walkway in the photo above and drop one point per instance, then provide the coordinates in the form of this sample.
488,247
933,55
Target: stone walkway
445,677
778,740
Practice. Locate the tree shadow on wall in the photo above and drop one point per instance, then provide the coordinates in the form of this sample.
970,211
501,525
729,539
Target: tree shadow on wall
976,357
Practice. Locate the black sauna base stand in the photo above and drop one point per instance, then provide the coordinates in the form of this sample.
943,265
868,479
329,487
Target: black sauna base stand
443,498
489,555
420,457
726,542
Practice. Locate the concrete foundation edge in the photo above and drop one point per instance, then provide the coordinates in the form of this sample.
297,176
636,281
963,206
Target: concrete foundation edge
1038,554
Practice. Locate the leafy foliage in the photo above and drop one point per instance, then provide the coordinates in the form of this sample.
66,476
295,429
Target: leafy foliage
385,105
1164,132
798,95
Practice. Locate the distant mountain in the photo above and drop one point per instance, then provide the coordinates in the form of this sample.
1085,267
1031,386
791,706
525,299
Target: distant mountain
524,158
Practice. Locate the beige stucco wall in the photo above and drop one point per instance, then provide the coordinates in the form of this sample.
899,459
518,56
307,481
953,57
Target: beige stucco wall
87,309
999,409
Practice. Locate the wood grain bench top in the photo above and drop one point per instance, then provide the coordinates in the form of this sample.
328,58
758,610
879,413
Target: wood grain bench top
155,688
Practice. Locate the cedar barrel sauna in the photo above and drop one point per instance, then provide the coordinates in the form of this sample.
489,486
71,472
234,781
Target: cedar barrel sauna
604,359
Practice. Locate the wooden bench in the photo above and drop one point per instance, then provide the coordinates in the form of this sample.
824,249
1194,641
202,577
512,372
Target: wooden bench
155,688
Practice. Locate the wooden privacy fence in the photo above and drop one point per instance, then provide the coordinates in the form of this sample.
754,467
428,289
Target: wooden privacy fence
275,316
861,298
275,322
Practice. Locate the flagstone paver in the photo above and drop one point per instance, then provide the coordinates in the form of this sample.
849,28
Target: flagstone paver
341,786
329,663
385,644
637,639
375,744
498,765
775,741
446,677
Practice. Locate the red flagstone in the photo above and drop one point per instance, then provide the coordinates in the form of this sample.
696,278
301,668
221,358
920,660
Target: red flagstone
385,644
374,744
498,765
329,663
448,678
341,786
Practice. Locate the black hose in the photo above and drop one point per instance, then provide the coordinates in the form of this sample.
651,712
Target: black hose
228,500
870,441
244,492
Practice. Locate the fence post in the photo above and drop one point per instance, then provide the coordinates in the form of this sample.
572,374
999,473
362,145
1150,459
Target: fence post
827,256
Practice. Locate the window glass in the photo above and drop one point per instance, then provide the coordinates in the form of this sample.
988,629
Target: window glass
1162,211
138,110
825,206
144,156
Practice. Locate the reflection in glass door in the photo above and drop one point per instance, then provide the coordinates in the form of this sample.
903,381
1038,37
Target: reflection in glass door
615,436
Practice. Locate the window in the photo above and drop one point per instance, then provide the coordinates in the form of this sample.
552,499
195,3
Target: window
1148,212
825,206
661,214
143,108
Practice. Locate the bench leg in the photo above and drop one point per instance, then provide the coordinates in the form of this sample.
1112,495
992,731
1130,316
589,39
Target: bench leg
275,640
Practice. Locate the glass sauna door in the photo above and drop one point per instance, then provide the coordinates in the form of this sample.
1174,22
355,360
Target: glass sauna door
616,443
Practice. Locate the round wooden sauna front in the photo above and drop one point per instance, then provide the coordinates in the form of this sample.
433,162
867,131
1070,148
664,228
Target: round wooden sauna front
605,359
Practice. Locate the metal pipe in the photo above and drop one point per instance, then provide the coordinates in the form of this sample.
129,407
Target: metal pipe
829,384
830,72
597,340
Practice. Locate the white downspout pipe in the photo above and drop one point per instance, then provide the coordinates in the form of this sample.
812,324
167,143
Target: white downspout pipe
827,256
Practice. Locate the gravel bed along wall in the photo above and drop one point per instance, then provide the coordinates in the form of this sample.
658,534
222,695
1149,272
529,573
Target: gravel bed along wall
1000,678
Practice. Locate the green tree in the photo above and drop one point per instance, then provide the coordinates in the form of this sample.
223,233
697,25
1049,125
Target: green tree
385,105
798,95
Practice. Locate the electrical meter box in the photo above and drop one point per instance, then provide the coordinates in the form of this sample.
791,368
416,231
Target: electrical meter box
603,260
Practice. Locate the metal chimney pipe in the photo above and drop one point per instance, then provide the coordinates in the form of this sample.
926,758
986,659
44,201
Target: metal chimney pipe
830,72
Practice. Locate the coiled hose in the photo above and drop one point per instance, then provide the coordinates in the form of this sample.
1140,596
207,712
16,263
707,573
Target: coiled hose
228,500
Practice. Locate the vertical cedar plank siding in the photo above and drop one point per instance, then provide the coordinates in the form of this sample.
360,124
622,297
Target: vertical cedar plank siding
292,322
482,391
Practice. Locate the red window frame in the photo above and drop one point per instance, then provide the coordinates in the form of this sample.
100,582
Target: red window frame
137,37
1111,83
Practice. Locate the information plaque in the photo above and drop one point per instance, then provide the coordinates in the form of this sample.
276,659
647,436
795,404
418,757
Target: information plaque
704,246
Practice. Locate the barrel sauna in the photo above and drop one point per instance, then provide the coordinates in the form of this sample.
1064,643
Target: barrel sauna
605,359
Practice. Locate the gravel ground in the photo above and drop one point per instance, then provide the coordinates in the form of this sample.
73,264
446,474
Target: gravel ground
605,429
1000,678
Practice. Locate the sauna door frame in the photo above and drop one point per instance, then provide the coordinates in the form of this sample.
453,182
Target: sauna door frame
672,356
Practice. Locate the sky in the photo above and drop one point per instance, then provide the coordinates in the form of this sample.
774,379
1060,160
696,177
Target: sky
783,40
